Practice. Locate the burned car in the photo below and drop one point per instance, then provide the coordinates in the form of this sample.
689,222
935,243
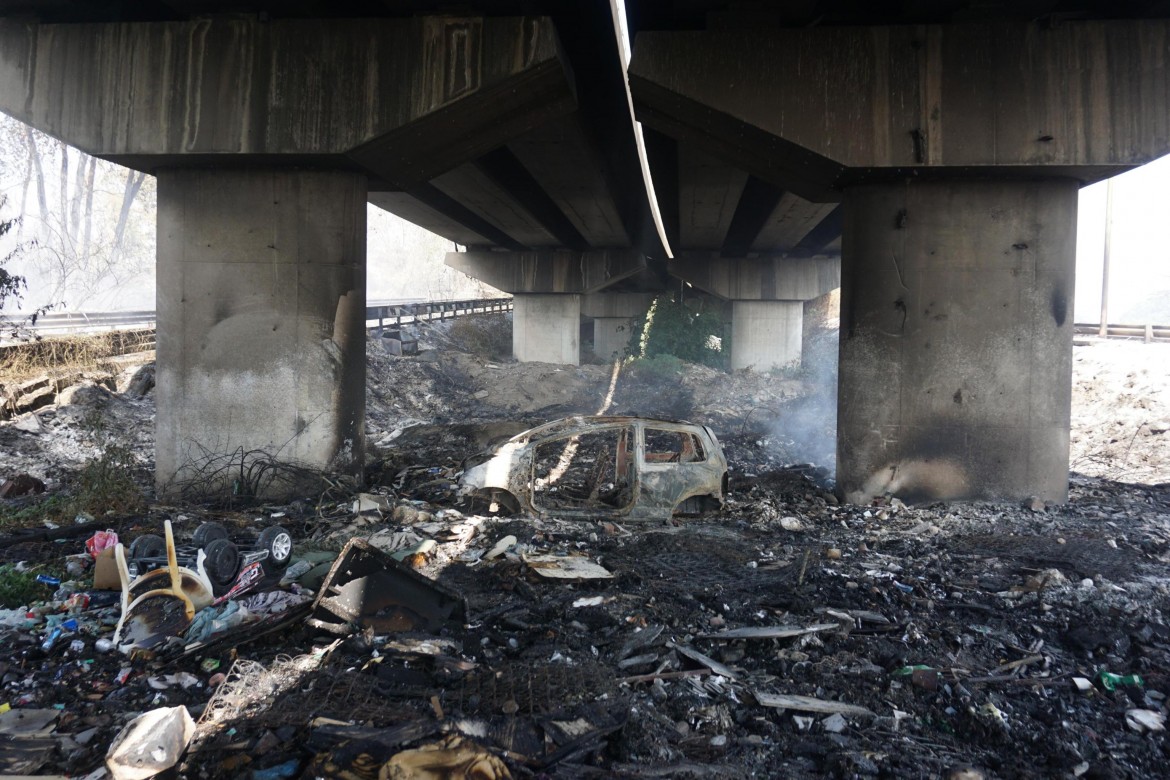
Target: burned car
601,467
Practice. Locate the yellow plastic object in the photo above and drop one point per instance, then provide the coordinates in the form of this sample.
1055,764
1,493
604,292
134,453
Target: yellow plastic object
148,602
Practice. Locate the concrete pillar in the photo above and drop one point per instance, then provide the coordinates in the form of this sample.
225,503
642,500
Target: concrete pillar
546,328
261,310
611,336
956,339
765,334
613,316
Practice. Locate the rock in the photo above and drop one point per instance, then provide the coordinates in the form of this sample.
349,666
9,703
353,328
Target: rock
21,485
1160,426
141,383
1035,504
29,423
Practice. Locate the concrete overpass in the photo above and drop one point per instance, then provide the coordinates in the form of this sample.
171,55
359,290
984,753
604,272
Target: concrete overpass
937,146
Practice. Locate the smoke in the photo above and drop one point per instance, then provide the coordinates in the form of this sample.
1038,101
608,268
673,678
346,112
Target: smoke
805,428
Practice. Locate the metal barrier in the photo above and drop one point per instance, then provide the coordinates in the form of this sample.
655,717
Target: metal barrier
398,314
393,314
1147,333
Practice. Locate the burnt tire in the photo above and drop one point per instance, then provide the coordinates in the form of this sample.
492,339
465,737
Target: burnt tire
146,547
207,533
222,563
277,542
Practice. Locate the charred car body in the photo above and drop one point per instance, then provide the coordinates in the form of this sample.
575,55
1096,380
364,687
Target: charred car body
601,467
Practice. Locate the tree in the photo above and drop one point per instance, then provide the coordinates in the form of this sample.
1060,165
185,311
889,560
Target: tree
11,285
91,220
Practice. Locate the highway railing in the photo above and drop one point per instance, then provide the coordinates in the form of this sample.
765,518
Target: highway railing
397,315
381,315
1146,333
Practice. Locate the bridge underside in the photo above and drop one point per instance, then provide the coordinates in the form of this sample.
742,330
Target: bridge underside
925,159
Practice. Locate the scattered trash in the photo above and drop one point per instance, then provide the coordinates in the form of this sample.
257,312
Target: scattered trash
1145,720
151,743
565,567
1110,681
810,704
366,588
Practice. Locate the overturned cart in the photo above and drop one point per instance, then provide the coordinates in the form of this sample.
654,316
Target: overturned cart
593,467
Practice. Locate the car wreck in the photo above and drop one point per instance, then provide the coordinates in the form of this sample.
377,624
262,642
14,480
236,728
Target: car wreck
629,467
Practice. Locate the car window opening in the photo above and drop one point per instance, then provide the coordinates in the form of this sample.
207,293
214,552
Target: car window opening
664,446
589,469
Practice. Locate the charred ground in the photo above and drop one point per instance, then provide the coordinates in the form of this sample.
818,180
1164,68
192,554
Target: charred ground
961,629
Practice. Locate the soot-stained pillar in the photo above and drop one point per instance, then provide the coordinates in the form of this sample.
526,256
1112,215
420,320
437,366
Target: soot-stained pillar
956,339
765,334
547,328
261,315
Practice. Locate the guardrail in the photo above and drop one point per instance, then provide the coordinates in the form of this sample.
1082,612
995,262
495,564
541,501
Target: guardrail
1147,333
394,314
399,314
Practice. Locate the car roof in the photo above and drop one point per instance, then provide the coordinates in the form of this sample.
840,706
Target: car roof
567,426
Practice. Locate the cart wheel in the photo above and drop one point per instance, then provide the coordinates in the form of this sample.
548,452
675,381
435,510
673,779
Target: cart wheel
146,547
222,563
277,542
207,533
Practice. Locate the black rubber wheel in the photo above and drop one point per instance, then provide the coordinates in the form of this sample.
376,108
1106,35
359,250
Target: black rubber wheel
222,563
279,545
207,533
148,546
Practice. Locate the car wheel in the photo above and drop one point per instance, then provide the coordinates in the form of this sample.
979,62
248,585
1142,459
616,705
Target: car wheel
146,547
207,533
222,563
278,544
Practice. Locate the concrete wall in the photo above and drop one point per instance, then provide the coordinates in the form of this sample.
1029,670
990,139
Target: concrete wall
765,334
261,308
546,329
956,339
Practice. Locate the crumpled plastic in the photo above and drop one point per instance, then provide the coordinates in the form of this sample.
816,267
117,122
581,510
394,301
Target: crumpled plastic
271,603
102,540
151,743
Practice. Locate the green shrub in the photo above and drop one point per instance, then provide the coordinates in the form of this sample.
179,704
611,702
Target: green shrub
671,328
18,588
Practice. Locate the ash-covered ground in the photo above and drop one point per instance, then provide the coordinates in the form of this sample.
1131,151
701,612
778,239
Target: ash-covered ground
945,640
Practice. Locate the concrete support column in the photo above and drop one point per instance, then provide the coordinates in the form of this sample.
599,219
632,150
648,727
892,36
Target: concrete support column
956,339
546,328
611,336
261,314
765,334
613,315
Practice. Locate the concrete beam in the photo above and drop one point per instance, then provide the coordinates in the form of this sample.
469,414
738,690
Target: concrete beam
551,271
546,329
403,99
814,109
261,325
758,279
956,340
616,305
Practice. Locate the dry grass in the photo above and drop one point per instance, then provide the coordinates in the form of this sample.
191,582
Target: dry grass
69,354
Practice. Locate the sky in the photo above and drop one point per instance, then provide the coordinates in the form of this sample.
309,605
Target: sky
1139,266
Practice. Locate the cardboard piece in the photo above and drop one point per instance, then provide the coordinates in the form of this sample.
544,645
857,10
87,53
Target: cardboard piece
105,571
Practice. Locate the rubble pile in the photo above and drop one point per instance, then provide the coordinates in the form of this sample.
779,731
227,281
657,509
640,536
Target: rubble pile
407,634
